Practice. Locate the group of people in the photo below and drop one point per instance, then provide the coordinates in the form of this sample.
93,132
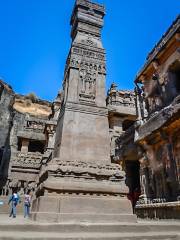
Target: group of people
14,200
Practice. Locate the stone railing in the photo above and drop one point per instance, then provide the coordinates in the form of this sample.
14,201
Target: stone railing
159,205
163,210
27,160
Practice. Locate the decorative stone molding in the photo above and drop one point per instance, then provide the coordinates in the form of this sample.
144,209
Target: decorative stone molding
88,65
87,109
111,172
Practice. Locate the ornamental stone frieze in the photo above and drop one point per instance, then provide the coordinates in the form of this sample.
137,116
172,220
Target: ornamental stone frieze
27,160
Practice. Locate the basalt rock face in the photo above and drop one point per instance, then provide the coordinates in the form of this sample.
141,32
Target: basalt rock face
32,105
80,183
6,116
23,139
6,102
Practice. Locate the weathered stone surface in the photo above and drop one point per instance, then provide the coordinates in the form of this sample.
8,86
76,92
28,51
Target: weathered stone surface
74,140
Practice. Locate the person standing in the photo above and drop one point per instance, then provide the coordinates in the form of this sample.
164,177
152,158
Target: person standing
27,204
14,200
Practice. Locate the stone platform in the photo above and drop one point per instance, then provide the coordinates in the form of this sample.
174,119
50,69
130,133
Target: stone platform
20,228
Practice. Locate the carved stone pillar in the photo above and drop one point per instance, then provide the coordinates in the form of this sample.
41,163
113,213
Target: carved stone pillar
25,145
145,112
144,178
138,103
81,183
171,167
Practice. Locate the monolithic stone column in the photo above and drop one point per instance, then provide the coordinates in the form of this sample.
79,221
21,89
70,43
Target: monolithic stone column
81,183
25,145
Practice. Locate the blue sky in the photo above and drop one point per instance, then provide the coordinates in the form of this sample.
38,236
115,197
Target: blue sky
35,40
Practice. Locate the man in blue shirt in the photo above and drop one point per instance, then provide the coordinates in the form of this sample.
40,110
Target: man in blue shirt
14,200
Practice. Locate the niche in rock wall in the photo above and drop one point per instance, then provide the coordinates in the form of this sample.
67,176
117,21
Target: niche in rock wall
36,146
29,145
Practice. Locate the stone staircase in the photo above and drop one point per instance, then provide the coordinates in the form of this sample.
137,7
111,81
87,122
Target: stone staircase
23,229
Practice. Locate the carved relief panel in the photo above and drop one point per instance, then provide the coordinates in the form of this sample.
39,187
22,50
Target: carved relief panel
87,82
88,69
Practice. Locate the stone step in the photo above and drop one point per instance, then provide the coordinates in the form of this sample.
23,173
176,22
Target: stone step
141,227
87,236
20,228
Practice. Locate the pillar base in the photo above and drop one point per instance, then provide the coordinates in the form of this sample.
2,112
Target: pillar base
91,209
